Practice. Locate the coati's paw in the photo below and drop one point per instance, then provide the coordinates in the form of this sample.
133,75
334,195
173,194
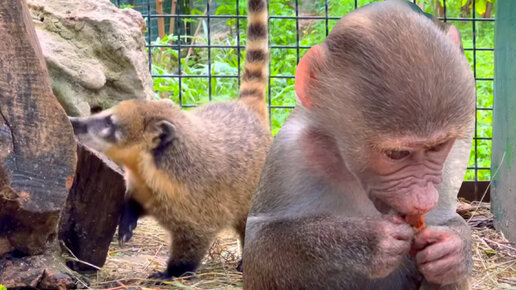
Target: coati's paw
181,269
164,276
125,233
131,211
239,267
175,270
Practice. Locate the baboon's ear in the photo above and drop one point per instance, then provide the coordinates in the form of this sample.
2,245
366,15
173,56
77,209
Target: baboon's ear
165,134
454,35
306,74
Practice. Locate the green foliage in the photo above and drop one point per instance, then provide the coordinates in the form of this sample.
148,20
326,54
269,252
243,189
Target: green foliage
168,61
480,5
2,287
122,6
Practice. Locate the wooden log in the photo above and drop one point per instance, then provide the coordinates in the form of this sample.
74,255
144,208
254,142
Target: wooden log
45,271
37,156
93,209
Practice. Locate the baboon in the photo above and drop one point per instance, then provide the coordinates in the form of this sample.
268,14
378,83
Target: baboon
379,139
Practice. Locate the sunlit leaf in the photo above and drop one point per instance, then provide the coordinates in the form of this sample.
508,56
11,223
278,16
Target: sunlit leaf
490,252
480,6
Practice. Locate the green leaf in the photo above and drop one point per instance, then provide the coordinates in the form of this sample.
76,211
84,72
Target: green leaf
480,5
196,12
490,252
2,287
224,9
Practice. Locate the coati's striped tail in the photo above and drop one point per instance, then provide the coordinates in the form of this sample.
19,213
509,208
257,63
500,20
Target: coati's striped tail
254,79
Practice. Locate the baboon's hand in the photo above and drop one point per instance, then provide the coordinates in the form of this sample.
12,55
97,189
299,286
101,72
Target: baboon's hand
393,238
441,256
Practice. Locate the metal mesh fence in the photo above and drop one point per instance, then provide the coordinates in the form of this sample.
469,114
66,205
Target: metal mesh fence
196,52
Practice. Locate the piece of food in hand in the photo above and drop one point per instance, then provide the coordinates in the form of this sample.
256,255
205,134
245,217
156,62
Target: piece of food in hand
416,221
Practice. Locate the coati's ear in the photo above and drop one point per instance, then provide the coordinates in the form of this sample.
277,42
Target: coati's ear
165,134
306,73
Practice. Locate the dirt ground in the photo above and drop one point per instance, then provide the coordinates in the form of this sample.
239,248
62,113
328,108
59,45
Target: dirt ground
147,252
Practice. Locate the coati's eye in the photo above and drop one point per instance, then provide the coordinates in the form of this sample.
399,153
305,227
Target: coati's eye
108,120
109,130
397,154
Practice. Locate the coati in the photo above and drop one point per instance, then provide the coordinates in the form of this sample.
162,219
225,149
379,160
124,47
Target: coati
194,171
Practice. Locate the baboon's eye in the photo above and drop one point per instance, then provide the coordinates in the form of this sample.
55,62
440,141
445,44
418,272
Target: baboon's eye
397,154
438,147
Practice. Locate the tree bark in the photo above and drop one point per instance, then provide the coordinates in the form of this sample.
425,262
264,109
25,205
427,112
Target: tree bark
37,160
161,20
172,21
489,10
93,209
438,9
465,10
37,148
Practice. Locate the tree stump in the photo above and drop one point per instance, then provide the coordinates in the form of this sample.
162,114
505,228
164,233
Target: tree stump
37,150
93,209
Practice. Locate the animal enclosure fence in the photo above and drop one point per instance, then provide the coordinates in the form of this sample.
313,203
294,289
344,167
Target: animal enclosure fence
196,49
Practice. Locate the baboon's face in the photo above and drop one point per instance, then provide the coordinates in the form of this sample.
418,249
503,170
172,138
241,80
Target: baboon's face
122,131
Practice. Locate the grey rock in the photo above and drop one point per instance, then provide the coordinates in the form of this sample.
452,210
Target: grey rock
94,51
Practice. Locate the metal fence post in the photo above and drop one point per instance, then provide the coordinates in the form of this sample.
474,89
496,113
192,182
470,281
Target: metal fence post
503,193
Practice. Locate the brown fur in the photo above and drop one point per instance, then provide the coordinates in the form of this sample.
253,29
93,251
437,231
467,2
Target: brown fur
194,171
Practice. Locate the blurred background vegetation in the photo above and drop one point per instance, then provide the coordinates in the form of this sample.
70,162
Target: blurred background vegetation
196,58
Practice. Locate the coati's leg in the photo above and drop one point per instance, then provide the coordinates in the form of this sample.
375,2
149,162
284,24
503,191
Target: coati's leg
189,246
131,212
240,229
137,195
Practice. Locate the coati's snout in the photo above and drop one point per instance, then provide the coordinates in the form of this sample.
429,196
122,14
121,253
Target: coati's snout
131,126
78,126
98,131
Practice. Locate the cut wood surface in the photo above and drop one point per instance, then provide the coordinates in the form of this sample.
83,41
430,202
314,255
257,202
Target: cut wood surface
93,208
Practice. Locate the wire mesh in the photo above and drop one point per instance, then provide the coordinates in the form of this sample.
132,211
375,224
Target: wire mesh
205,34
